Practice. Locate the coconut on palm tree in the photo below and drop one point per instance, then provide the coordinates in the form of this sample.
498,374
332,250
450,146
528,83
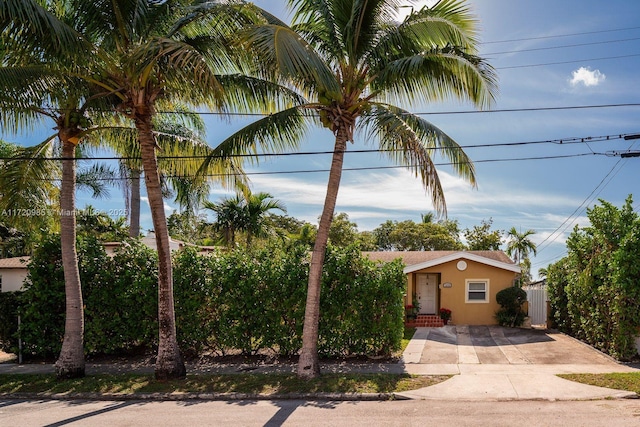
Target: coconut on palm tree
351,59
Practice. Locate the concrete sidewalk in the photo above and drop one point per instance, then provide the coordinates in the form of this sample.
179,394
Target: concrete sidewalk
515,379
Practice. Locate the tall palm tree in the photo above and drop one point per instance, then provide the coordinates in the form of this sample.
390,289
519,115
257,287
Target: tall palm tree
351,59
519,245
148,55
140,55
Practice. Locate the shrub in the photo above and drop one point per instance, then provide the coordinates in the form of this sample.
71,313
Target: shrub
242,300
595,289
9,306
511,300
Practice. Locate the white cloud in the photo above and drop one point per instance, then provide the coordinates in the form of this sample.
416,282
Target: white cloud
587,77
372,198
167,208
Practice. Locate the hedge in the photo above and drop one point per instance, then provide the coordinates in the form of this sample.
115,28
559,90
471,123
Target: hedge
595,290
239,300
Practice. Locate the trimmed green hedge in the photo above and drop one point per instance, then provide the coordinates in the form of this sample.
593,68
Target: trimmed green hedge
238,300
595,290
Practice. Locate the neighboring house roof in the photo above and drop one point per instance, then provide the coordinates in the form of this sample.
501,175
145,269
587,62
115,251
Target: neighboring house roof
17,262
418,260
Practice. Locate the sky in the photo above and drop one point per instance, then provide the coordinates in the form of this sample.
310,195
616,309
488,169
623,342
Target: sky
549,55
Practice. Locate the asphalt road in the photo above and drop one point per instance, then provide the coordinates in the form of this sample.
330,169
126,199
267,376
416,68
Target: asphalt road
49,413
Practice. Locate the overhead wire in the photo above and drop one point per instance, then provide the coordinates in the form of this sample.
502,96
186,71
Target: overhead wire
559,141
562,35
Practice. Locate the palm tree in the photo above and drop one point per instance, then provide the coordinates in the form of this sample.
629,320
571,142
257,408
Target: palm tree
257,206
519,245
230,217
245,212
163,54
350,59
181,138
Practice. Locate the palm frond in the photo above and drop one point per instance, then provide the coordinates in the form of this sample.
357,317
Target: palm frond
26,179
412,141
32,28
96,178
292,58
274,133
248,94
440,74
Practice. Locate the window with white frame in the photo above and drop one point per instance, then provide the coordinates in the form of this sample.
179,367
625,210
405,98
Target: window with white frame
477,291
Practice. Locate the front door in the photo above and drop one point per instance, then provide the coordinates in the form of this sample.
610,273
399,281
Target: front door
427,292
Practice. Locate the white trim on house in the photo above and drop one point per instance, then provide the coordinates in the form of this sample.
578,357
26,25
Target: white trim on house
462,255
468,282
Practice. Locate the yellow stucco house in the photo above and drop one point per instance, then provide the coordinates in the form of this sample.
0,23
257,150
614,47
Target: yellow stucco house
465,282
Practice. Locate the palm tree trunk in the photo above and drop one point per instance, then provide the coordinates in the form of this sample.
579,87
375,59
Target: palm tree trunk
70,363
134,205
169,362
308,364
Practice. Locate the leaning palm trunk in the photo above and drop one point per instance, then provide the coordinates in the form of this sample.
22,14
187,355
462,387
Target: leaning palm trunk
308,364
70,363
169,362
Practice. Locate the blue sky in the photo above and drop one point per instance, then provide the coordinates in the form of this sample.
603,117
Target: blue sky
548,54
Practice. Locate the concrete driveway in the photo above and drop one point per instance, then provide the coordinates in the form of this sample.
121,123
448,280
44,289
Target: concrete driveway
496,363
496,345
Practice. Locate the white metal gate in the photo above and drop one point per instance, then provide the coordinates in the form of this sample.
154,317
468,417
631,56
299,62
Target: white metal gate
537,299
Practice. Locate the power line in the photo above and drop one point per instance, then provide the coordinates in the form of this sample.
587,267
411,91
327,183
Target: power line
419,113
560,141
561,47
568,62
562,35
569,220
364,168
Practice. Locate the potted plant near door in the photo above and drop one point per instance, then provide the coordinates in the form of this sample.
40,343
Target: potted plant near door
445,315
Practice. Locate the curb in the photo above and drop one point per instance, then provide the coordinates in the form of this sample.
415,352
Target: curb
169,397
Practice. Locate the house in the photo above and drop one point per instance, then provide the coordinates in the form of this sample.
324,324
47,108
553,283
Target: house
465,282
13,271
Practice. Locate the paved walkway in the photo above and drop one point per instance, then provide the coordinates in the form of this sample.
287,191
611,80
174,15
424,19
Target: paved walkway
506,364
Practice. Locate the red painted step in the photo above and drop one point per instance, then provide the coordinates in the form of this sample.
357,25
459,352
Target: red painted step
425,321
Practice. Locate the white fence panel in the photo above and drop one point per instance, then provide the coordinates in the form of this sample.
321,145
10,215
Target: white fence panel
537,306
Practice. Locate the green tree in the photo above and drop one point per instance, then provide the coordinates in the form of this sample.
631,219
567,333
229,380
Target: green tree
519,245
32,81
230,217
245,212
594,290
342,232
145,55
482,238
258,207
100,225
352,59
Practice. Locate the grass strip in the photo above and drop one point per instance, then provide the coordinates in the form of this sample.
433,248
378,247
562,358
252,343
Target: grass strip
264,384
629,381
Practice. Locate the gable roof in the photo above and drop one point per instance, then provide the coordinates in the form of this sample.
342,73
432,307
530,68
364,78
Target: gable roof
17,262
418,260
